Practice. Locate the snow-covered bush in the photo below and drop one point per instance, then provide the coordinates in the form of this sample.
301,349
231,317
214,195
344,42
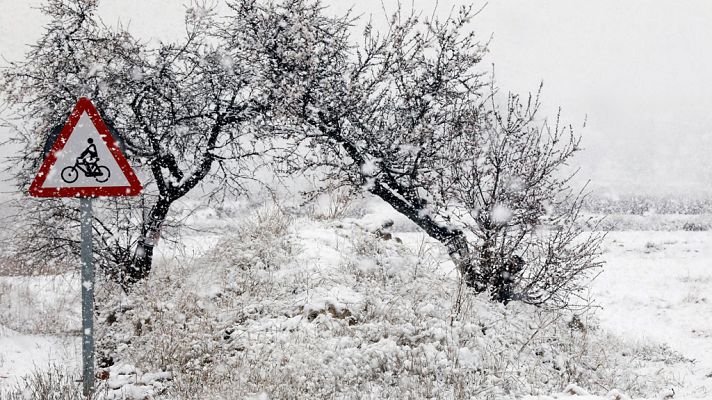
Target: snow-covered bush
182,334
336,204
297,308
57,383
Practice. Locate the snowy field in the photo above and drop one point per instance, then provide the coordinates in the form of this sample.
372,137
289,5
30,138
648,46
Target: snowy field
656,287
368,301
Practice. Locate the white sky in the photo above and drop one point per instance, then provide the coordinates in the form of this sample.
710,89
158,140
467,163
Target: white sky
640,70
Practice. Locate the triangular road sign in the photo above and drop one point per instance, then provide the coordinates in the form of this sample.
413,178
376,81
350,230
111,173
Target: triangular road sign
85,161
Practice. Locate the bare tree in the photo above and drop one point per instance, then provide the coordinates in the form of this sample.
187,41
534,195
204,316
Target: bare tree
507,189
408,116
188,113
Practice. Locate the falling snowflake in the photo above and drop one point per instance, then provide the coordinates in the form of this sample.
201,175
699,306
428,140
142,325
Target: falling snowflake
370,167
516,184
501,214
136,74
227,62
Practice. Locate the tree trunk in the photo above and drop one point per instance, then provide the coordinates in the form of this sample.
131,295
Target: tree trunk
454,240
461,254
143,257
413,207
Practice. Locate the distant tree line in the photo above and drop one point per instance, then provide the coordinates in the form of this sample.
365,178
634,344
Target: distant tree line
641,204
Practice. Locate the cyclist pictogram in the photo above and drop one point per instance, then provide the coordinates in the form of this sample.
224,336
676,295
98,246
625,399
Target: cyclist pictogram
88,164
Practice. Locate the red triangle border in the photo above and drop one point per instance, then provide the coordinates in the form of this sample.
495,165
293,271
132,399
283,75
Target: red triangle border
85,105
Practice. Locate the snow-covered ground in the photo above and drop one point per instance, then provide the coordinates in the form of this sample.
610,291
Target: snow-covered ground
657,286
39,320
22,354
653,294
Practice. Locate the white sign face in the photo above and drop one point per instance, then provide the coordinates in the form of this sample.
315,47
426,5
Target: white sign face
85,161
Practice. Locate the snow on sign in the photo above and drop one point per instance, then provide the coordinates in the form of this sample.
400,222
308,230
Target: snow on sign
85,161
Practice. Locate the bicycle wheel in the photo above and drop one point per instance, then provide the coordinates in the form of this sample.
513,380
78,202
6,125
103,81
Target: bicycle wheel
105,174
69,174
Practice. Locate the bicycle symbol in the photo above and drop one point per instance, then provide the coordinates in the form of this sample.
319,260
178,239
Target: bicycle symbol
87,163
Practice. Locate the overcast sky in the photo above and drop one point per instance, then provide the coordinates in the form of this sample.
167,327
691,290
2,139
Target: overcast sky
639,72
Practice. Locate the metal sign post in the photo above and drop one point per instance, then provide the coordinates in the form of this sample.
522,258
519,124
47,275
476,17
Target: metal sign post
85,161
87,297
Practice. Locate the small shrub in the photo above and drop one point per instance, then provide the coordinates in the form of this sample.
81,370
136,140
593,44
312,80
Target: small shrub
694,227
51,313
336,204
56,383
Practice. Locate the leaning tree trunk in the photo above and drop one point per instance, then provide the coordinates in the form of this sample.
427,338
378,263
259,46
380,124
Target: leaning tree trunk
413,207
453,239
140,266
462,255
142,260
